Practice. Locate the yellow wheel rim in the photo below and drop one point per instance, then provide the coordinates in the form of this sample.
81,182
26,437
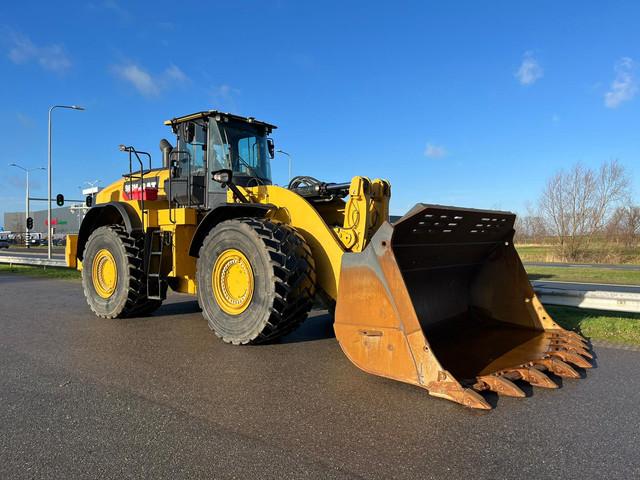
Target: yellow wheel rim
104,273
232,281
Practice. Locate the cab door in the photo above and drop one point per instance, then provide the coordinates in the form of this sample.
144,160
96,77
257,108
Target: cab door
217,159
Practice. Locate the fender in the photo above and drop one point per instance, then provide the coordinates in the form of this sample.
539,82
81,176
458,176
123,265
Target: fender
107,214
222,213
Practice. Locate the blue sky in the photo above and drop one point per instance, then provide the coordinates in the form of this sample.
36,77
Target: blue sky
463,103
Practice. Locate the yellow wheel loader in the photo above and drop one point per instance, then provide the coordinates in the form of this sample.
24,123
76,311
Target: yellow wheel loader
438,299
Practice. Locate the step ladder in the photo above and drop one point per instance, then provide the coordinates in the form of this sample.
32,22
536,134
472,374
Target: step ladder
156,283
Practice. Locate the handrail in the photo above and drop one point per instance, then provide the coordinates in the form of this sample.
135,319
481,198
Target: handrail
137,153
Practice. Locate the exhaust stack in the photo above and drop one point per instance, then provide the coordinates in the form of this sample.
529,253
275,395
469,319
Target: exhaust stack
166,148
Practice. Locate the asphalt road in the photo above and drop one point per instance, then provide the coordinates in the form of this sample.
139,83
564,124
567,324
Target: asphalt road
161,397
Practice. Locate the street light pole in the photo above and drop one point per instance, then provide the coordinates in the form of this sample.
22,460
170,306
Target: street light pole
26,206
27,236
289,157
49,239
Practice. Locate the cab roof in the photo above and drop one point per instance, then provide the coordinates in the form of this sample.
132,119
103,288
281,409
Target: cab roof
224,116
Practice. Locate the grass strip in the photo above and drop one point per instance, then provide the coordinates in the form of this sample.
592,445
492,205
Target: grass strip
614,327
36,271
583,274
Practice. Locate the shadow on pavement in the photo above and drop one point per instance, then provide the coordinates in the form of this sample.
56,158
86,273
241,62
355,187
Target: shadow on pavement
317,327
177,308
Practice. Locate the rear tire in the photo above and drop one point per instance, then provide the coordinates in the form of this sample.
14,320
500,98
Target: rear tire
277,265
122,294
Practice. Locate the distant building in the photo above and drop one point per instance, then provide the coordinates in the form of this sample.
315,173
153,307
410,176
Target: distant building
63,220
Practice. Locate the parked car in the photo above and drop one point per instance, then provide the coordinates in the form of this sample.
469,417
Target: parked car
4,243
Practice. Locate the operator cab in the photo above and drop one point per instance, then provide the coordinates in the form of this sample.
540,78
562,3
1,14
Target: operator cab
211,141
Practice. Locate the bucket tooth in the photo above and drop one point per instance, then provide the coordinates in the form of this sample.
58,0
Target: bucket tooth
535,377
500,385
557,366
570,346
573,336
577,336
570,357
452,390
472,399
583,352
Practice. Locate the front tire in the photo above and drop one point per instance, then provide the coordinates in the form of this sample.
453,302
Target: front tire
256,280
113,278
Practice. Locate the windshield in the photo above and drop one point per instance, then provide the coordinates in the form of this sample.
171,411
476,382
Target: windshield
246,147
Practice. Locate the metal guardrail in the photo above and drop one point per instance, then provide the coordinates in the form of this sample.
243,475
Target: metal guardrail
594,298
22,260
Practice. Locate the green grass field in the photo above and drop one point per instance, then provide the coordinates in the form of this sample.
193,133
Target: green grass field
586,275
615,327
49,272
598,253
535,253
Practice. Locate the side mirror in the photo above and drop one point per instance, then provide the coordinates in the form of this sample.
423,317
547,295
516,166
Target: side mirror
271,147
222,176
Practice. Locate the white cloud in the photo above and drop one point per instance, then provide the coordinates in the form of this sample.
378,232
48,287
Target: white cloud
149,84
25,120
50,57
225,95
139,78
435,151
530,70
115,7
624,86
112,8
175,74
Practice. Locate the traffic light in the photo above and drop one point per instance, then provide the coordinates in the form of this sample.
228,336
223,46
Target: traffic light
89,201
29,223
60,200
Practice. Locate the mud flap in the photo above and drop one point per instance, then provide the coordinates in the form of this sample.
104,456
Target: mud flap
441,300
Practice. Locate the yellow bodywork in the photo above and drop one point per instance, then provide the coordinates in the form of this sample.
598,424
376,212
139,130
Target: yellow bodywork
70,252
330,229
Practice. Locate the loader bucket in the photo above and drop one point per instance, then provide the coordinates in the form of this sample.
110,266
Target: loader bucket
441,300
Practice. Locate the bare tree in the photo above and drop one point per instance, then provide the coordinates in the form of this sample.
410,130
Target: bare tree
577,204
624,225
530,228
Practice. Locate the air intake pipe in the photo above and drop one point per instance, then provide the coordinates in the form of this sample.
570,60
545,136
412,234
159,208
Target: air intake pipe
166,148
